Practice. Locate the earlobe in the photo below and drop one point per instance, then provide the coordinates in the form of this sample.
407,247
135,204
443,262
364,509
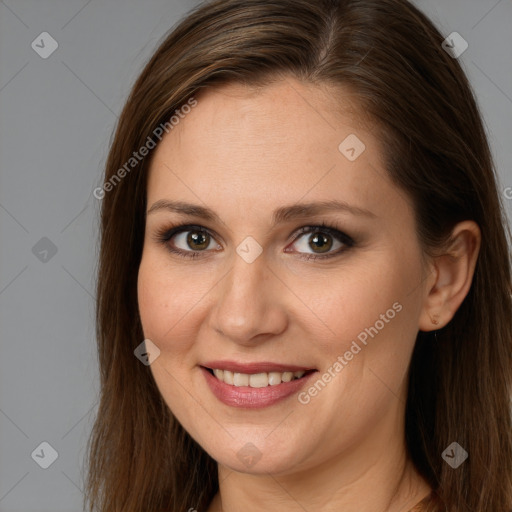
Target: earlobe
454,271
435,319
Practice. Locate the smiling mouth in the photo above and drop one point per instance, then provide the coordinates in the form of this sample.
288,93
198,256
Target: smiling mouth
256,380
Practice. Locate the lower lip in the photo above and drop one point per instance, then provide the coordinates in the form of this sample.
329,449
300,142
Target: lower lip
253,398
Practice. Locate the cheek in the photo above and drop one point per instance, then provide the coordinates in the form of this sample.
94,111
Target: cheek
166,302
371,316
165,314
153,301
369,313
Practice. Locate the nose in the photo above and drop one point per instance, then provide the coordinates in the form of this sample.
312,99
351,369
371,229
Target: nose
249,303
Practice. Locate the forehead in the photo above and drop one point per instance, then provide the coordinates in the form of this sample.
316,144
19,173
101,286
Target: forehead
264,146
282,108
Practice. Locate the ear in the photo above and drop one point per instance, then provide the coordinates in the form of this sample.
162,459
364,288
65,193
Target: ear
451,276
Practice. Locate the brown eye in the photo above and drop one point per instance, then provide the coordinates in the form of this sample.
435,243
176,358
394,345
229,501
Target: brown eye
321,241
187,241
191,240
198,240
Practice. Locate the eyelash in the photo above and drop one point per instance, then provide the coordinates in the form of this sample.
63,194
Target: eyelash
164,235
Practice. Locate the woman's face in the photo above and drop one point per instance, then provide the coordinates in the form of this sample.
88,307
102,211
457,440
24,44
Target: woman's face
251,303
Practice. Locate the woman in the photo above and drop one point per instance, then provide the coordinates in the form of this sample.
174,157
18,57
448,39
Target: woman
303,245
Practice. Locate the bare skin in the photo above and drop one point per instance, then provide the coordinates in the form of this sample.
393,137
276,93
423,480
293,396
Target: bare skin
243,153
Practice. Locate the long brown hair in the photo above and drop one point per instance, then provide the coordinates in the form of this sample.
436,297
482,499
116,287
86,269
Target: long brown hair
435,149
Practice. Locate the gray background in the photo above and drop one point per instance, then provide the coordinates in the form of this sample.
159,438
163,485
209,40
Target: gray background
56,118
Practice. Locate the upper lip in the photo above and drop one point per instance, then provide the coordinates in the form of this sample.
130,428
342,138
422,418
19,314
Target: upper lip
250,368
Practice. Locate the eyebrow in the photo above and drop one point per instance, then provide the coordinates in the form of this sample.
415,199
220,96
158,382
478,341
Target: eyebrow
281,214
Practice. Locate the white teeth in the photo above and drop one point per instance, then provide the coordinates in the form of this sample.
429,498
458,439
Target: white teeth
256,380
241,379
287,376
274,378
228,377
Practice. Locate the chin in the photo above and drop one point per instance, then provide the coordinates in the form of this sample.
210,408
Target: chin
256,455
